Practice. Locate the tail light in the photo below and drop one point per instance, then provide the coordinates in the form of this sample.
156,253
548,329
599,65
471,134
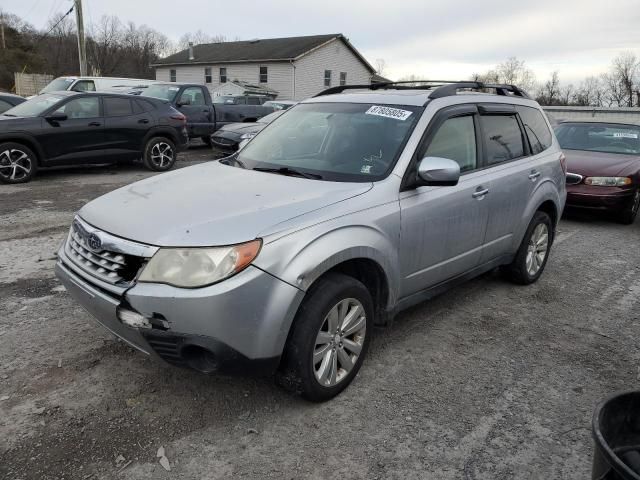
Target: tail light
179,116
563,163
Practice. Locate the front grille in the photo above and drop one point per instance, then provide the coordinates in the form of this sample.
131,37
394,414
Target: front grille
107,265
167,347
223,141
573,178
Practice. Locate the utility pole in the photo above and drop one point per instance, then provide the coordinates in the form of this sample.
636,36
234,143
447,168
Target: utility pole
82,48
4,45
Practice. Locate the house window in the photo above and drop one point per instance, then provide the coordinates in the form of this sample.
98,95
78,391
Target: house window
223,75
172,75
263,74
207,75
327,78
343,78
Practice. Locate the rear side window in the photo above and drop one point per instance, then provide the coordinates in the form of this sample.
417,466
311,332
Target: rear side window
455,140
253,101
117,107
84,86
144,104
536,129
502,138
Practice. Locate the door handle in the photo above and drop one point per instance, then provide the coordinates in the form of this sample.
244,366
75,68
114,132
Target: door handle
534,175
480,193
94,124
143,120
205,111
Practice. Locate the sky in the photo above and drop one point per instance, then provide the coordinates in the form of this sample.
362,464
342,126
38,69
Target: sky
437,40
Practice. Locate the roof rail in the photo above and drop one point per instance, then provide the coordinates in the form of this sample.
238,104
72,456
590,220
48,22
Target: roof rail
501,89
401,85
441,88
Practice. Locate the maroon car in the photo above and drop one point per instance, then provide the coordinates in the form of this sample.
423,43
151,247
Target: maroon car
603,166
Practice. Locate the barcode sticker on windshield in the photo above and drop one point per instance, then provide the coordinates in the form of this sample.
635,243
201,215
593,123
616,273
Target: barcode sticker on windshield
389,112
625,135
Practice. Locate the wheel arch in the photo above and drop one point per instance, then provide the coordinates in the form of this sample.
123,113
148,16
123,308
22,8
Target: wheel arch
159,132
28,142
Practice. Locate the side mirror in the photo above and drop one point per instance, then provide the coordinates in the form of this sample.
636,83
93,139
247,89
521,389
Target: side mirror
183,101
56,117
438,171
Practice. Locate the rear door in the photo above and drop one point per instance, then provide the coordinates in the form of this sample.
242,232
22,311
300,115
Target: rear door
125,125
443,228
77,139
199,114
513,171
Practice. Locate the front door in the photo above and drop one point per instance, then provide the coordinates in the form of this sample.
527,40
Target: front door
192,103
443,227
77,139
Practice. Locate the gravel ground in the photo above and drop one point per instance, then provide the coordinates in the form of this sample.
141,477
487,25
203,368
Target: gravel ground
488,381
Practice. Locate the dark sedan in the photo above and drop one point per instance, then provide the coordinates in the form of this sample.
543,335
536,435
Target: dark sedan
70,128
603,166
230,136
8,100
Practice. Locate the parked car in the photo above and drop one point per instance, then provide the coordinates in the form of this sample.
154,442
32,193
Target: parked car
241,99
69,128
93,84
8,100
230,136
280,104
344,211
603,162
203,117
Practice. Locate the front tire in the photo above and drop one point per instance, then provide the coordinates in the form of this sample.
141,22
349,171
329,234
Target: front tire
18,163
532,256
207,141
630,212
160,154
329,339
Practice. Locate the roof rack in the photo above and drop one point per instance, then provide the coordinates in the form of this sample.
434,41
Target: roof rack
441,88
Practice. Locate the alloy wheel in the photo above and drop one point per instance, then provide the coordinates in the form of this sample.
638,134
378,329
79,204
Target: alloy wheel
339,342
15,164
537,249
161,154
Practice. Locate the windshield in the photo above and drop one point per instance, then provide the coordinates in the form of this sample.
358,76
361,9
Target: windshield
164,92
58,85
600,137
271,117
336,141
35,106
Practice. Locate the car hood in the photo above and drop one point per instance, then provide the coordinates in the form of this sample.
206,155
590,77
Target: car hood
17,123
210,204
587,163
242,128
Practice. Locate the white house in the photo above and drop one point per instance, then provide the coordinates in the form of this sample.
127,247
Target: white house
295,67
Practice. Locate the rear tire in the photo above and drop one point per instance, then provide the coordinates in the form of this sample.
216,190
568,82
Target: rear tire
630,212
532,256
18,163
207,141
329,338
160,154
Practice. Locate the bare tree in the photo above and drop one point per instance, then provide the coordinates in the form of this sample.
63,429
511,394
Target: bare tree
624,70
198,38
105,43
381,66
590,92
413,79
549,91
512,71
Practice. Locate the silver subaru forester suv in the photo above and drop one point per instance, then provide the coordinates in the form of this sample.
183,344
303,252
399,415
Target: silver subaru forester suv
350,207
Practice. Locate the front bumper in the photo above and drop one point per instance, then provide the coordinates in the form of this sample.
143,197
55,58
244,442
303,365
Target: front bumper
243,322
224,142
599,198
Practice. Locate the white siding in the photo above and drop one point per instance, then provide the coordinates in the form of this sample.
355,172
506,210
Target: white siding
279,75
334,56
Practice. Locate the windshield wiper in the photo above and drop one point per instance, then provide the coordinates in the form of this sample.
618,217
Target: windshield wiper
234,158
8,114
290,172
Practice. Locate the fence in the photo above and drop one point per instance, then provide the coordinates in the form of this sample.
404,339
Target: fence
28,84
604,114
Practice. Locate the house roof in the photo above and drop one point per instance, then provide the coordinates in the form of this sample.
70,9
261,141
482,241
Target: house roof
270,49
376,78
250,88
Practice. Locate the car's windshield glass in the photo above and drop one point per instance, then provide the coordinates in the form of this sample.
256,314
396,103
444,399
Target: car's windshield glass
34,106
271,117
337,141
164,92
600,137
58,85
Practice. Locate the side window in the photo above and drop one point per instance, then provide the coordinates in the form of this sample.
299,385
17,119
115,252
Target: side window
223,75
144,105
502,138
327,78
343,78
194,95
263,75
4,106
207,75
536,129
172,75
84,86
86,107
117,107
456,140
253,101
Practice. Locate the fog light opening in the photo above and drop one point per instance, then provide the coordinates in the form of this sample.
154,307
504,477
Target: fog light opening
131,318
200,359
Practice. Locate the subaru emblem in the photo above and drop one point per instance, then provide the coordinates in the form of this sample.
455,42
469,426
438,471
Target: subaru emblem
94,242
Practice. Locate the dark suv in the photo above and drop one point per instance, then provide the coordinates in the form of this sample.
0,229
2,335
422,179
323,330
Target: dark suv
70,128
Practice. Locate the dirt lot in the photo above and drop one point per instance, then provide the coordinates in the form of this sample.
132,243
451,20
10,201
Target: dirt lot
488,381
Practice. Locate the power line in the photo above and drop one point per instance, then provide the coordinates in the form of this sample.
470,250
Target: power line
58,22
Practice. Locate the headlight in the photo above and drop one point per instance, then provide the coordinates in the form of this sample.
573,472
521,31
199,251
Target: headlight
247,136
198,267
608,181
